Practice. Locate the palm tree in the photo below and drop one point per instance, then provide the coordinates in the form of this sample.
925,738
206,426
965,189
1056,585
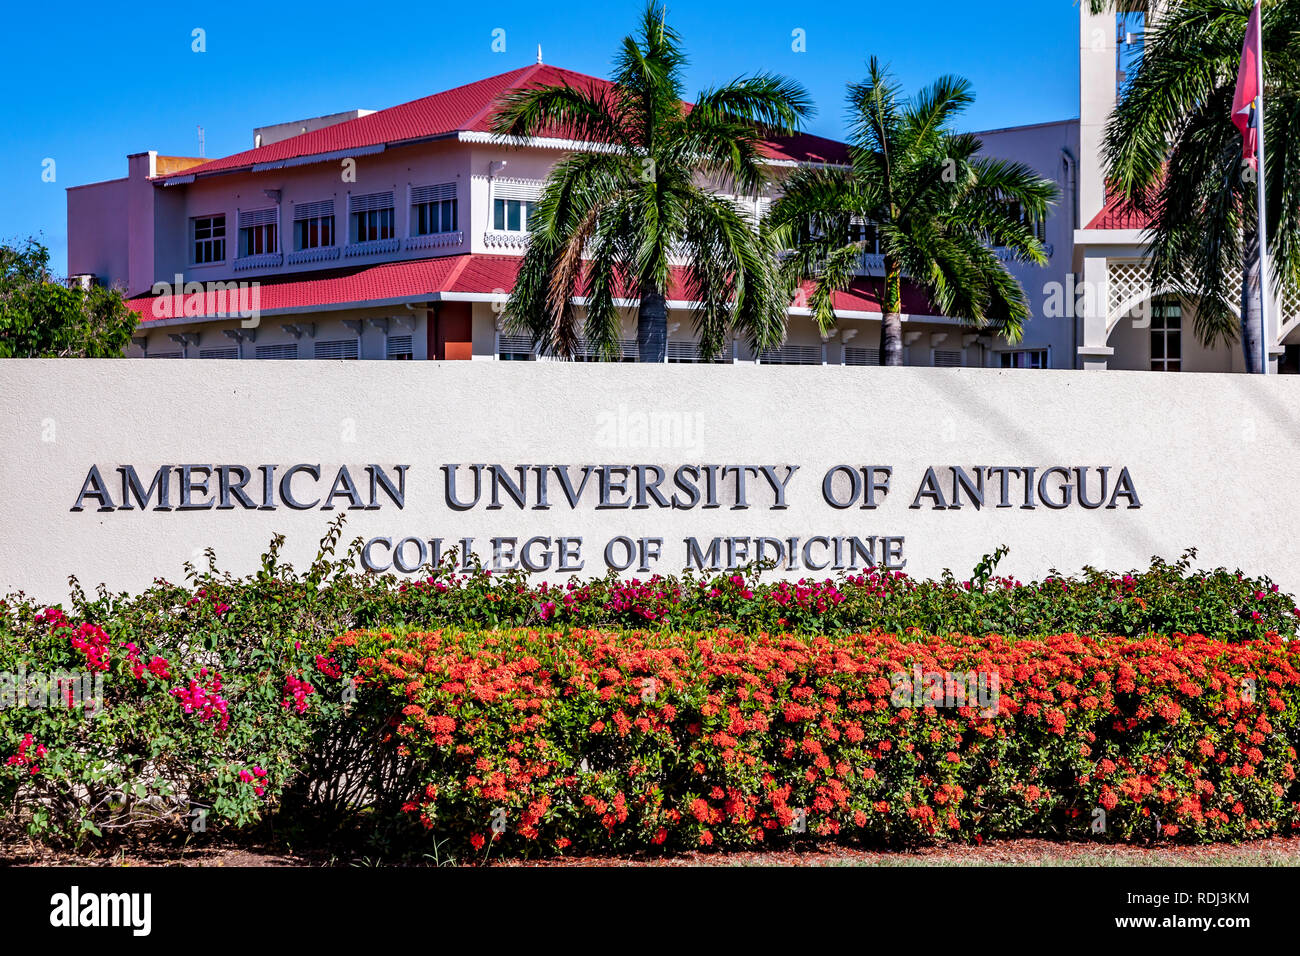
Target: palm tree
611,221
1172,152
935,207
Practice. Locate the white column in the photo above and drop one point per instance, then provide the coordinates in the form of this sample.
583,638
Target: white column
1092,303
1097,65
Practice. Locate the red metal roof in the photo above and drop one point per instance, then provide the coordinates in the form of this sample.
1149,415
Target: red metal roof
1118,213
464,109
419,278
864,296
377,283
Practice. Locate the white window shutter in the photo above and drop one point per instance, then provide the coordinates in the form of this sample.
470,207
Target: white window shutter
258,217
370,202
437,193
313,210
527,190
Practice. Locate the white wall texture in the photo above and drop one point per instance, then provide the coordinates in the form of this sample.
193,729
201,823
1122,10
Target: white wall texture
1043,148
1212,456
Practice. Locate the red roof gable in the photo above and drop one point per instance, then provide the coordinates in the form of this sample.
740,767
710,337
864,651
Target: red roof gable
466,108
1118,213
418,278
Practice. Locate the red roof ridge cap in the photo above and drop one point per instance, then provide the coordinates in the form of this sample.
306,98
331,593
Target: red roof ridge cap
531,71
456,270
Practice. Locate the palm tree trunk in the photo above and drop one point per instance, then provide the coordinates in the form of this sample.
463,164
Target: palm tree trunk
1251,314
652,326
891,319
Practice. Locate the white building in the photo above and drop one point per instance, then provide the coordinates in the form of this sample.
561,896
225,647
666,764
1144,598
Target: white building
1121,325
397,234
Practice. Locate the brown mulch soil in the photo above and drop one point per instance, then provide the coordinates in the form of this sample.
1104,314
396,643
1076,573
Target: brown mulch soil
1275,852
1283,852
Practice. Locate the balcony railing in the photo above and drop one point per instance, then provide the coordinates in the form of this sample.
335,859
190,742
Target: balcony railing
873,263
264,260
435,240
318,254
372,246
504,239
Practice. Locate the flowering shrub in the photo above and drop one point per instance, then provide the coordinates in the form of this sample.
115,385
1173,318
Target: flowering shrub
1163,599
538,742
111,728
221,700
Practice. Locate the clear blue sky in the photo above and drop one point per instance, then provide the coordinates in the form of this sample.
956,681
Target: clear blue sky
92,82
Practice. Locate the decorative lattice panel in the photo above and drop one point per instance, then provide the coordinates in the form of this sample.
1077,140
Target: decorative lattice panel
1127,283
1288,307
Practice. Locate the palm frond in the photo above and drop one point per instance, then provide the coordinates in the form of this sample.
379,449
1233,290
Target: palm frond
592,116
609,224
874,111
931,111
769,104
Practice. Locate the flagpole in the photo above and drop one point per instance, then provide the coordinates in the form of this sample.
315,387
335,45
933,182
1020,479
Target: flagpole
1262,222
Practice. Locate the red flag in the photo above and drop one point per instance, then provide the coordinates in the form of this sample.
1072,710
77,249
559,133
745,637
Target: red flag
1248,88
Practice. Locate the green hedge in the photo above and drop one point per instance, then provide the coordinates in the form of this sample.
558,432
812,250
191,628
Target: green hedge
331,597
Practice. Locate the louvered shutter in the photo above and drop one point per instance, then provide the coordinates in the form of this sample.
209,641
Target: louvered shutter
438,193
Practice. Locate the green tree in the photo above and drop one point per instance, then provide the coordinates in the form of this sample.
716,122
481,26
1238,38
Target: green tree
935,207
43,318
1172,152
610,222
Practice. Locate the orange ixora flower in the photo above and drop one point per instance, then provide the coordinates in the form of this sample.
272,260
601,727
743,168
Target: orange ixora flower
592,740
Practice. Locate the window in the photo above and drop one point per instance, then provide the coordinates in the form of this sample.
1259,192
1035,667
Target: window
511,215
286,351
372,217
372,225
515,348
342,349
256,240
946,358
680,352
586,353
857,356
399,347
226,353
683,352
514,202
313,225
435,217
1290,361
209,239
433,209
257,231
866,233
793,355
1024,358
1166,336
1037,226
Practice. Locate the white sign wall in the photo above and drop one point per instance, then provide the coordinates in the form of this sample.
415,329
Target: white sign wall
120,471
